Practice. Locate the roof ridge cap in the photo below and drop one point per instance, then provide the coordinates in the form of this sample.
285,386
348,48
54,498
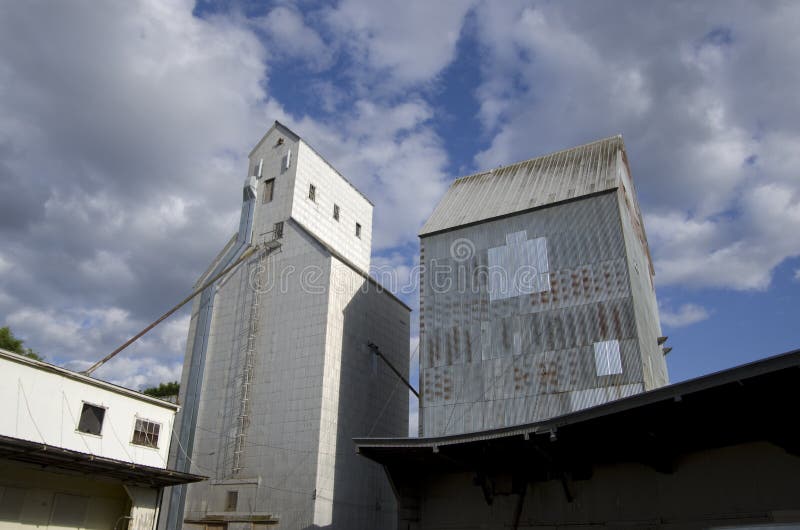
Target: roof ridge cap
546,155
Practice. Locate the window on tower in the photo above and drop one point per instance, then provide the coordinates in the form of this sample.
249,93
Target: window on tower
358,230
312,192
269,188
336,211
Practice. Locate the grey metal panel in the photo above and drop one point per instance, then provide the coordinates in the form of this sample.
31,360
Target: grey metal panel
525,357
544,180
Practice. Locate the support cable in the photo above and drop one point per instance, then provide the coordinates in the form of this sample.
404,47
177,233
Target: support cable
372,346
246,254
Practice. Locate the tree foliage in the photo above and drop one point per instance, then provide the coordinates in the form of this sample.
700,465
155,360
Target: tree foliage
11,343
163,390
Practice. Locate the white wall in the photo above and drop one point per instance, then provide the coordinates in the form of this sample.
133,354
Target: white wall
273,166
317,215
361,397
43,403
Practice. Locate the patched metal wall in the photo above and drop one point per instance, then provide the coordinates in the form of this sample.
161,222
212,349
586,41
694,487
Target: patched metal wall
527,317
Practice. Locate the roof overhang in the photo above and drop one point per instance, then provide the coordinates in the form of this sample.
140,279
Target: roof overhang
745,404
57,458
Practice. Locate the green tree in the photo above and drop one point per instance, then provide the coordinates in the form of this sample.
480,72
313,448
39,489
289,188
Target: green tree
11,343
163,390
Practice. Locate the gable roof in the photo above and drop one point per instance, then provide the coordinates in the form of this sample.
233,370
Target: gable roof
296,137
547,179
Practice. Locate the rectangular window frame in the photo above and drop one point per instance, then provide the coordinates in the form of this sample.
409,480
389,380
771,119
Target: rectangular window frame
231,500
269,185
277,230
146,438
95,406
358,230
312,192
336,212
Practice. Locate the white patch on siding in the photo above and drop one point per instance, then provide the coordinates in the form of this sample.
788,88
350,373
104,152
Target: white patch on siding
520,267
607,359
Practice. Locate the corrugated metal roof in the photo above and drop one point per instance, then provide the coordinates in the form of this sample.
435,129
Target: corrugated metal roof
559,176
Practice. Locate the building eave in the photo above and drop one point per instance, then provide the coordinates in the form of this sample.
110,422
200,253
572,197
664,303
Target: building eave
361,272
739,405
66,460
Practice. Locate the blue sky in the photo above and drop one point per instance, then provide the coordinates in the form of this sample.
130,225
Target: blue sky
124,134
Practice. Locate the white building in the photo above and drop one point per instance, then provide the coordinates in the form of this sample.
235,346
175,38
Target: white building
278,376
77,452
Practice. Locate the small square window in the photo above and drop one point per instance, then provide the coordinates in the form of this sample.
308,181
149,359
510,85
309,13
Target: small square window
336,211
91,421
146,432
269,188
358,230
231,500
312,192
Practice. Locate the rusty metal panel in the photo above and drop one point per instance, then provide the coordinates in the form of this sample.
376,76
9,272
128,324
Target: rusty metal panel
529,356
544,180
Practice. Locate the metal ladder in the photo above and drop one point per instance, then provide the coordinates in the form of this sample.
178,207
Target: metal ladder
249,353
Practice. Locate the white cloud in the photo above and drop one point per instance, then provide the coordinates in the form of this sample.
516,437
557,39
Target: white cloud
291,36
685,315
405,42
123,137
711,155
739,253
5,265
115,157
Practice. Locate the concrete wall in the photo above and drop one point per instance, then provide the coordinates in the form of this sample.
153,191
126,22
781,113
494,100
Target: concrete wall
745,486
42,403
316,386
522,318
287,381
361,397
281,439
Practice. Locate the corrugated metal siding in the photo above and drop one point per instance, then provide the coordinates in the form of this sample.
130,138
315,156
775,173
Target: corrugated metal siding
545,180
496,363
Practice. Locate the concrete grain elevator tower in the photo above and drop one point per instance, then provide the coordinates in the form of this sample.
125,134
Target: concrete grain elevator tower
278,377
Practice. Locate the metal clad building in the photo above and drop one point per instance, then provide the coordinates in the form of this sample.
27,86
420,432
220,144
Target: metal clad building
278,377
537,295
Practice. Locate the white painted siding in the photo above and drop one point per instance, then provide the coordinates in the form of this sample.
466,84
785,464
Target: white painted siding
42,403
317,215
273,166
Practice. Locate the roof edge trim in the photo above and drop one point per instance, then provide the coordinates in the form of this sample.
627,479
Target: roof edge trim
380,288
47,367
518,212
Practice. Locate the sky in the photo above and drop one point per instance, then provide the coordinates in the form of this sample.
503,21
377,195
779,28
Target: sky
125,126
